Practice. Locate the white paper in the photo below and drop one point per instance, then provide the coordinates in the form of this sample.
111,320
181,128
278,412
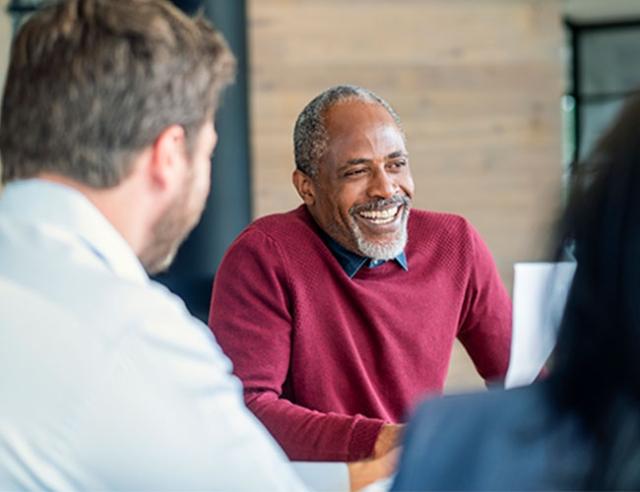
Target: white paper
323,476
539,295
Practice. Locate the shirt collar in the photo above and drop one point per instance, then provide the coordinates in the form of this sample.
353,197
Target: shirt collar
61,206
352,263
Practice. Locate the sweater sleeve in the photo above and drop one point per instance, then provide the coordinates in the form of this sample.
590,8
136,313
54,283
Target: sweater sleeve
251,318
485,330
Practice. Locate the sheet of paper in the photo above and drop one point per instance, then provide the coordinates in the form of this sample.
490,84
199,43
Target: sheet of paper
539,295
323,476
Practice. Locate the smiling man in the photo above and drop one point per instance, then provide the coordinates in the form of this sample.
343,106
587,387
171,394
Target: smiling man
340,314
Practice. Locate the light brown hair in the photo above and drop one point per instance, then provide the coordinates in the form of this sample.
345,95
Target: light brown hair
92,82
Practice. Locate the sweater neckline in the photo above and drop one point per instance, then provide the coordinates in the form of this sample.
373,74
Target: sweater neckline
351,263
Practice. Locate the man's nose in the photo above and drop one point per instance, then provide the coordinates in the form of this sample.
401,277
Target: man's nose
382,185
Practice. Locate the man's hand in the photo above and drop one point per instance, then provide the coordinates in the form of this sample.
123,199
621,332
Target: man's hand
383,460
389,437
363,473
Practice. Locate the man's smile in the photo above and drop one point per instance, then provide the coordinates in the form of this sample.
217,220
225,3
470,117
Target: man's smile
381,217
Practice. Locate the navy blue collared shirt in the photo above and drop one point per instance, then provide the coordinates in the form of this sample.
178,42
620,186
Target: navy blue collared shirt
351,262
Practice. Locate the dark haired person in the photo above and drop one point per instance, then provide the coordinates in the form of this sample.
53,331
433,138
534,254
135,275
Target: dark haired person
106,381
580,429
340,314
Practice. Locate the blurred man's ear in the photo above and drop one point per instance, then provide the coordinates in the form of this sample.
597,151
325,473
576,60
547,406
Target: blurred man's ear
305,187
169,162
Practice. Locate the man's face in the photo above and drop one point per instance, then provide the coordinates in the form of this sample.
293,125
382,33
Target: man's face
363,189
185,212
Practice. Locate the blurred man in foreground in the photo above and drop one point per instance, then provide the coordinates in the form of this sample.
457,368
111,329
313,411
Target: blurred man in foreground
106,382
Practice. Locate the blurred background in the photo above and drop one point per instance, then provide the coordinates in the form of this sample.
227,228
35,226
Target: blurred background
498,98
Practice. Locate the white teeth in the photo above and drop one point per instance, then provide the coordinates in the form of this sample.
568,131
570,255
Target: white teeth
380,216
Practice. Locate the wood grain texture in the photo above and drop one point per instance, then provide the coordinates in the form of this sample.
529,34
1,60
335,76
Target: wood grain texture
477,84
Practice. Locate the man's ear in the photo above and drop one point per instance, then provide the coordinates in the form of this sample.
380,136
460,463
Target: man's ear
305,187
168,157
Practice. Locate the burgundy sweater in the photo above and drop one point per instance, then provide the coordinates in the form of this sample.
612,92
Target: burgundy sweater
325,359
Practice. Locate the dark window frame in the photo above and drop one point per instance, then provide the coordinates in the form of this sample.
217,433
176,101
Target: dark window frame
576,29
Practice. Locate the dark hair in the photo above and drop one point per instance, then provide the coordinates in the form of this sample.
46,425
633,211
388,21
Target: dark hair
92,82
310,137
596,373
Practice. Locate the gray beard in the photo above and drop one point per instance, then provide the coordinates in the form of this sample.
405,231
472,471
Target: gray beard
381,251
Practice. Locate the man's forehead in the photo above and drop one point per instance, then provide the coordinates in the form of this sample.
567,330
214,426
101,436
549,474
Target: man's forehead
345,115
355,131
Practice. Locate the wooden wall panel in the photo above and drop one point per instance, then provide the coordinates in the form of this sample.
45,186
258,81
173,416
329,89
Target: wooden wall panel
5,45
477,84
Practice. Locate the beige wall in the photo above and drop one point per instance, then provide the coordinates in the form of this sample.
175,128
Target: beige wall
5,40
5,45
476,82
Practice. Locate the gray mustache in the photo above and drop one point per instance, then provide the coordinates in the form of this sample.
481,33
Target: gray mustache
381,204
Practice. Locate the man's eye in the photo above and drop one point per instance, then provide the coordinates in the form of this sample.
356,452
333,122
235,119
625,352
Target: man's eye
398,164
355,172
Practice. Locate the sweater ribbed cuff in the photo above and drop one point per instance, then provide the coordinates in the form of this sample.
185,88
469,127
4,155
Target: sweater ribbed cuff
363,438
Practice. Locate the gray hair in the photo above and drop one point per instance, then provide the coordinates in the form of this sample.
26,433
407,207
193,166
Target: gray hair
310,136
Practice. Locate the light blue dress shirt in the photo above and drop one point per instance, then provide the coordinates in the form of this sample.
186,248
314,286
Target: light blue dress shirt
106,381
